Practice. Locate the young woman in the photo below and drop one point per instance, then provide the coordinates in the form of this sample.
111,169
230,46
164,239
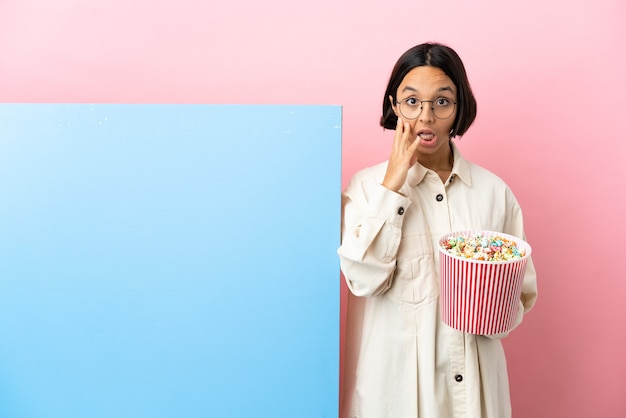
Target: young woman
402,360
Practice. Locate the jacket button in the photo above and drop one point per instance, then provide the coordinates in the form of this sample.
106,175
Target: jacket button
439,197
458,378
400,210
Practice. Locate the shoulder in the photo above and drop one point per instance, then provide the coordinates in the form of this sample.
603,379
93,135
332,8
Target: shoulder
483,175
370,175
477,176
492,185
366,183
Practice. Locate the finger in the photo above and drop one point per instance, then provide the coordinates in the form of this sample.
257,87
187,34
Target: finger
415,144
399,133
402,129
399,127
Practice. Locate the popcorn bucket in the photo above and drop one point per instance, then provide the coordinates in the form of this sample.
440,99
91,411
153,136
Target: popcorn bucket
481,297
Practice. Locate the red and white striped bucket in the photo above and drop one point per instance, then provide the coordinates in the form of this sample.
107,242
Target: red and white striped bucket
481,297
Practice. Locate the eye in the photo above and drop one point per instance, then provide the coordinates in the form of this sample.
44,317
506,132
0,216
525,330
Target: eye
412,101
443,102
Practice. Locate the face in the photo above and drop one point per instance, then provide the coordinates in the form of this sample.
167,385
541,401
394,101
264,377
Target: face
428,83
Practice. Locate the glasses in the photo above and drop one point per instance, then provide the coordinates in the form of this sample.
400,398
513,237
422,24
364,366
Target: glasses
442,107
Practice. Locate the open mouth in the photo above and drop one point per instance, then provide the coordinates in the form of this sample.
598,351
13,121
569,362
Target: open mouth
426,135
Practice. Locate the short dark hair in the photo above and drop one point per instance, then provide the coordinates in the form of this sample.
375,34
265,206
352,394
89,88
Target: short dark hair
434,55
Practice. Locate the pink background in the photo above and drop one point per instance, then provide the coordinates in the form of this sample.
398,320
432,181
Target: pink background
548,76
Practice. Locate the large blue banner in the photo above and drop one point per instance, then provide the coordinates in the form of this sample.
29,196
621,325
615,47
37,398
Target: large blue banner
169,260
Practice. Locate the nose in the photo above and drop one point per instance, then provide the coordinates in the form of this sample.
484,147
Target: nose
427,114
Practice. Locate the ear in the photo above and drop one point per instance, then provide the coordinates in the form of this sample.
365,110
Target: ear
393,106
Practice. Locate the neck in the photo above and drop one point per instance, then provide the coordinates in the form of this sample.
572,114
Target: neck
442,161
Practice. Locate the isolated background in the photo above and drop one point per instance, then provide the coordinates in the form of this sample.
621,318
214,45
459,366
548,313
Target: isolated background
549,81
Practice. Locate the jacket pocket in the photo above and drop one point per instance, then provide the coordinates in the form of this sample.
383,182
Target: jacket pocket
415,278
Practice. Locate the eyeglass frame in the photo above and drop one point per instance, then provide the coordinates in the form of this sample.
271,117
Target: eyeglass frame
421,102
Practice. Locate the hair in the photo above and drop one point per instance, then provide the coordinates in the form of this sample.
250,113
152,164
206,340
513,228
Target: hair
439,56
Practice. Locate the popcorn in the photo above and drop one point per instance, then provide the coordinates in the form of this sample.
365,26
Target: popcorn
481,278
480,247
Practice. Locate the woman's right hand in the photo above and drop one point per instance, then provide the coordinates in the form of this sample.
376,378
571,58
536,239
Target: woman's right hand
403,156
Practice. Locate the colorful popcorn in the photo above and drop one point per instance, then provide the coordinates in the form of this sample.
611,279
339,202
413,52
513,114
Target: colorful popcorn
481,247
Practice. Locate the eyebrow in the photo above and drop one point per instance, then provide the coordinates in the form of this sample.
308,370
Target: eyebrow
439,90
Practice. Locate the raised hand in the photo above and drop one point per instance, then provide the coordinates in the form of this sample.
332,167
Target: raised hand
403,156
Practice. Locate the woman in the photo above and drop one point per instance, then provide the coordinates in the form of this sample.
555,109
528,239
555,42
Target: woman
402,360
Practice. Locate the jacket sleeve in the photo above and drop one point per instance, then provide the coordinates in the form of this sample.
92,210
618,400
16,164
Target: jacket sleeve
372,218
514,225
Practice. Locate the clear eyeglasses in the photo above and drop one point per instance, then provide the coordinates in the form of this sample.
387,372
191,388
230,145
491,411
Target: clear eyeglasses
442,107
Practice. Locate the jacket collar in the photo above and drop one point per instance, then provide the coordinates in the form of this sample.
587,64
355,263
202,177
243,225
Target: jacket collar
460,169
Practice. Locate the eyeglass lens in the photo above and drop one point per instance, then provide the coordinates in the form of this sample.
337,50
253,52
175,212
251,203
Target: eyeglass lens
412,108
